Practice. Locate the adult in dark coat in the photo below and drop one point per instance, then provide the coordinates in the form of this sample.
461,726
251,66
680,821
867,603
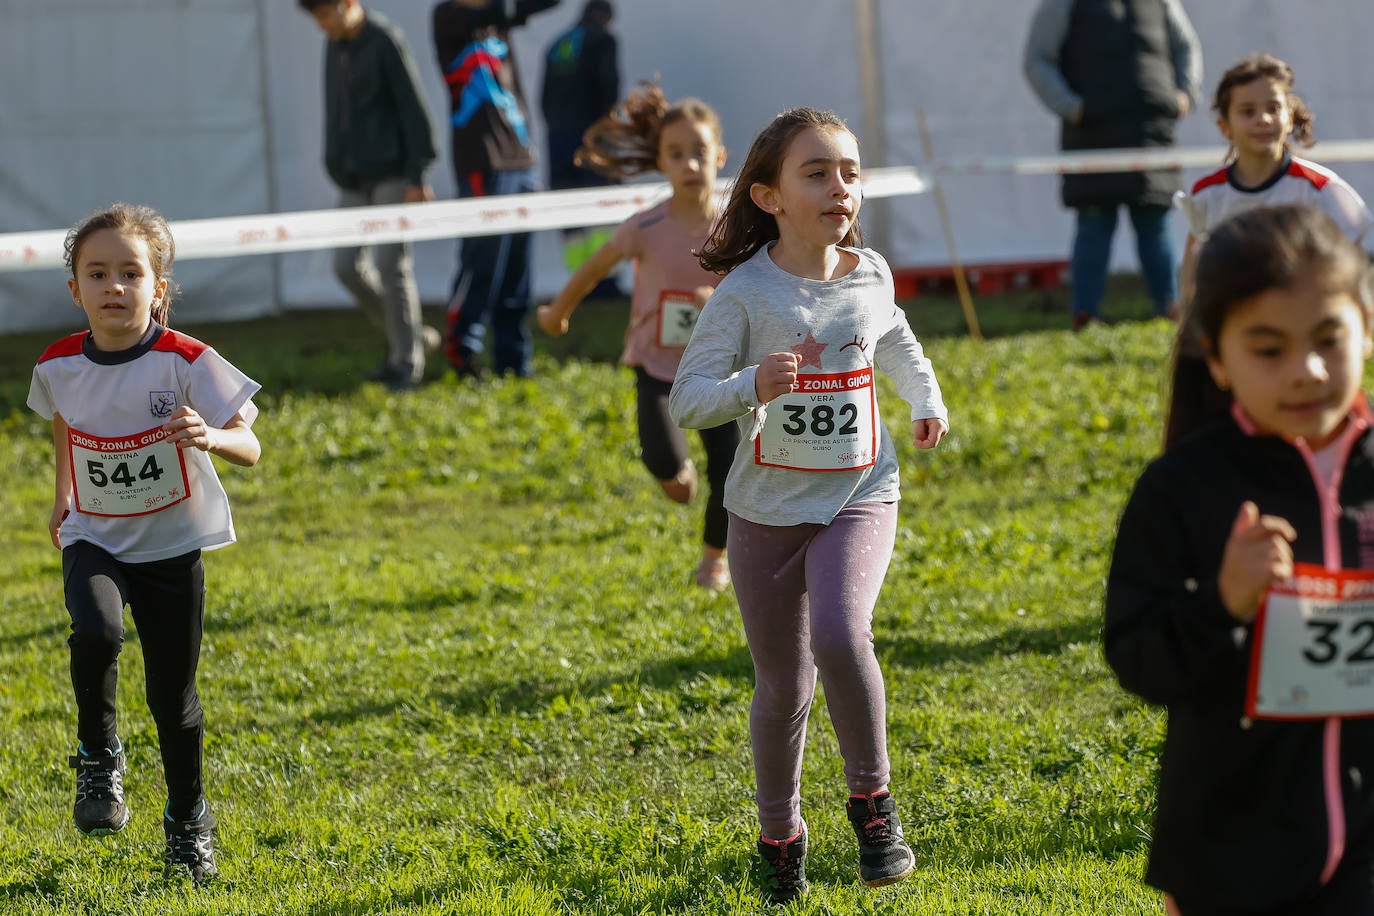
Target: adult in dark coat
1119,74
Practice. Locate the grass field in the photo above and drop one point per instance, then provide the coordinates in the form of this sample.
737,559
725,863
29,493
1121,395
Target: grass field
455,665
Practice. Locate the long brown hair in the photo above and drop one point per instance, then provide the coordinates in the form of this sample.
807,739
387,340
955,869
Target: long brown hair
1258,250
1255,66
140,222
743,228
624,143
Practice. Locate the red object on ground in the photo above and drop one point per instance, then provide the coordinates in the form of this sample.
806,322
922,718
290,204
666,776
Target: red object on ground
983,279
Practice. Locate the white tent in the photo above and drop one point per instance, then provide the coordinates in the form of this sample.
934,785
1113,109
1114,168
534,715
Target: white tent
208,108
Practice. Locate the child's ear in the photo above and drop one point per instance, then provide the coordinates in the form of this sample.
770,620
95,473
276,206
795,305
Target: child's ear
720,158
765,198
1214,366
76,292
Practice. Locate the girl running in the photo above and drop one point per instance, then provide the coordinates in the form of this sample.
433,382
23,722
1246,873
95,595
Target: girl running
137,409
1224,599
786,347
682,141
1261,117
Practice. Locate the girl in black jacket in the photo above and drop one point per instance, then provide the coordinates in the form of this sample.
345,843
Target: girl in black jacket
1266,802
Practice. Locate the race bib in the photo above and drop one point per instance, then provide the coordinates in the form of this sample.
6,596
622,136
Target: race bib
1313,651
828,424
677,315
128,475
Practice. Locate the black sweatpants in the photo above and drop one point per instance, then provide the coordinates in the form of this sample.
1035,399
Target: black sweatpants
167,601
663,449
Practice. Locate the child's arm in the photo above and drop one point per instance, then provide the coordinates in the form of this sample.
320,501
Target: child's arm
1167,631
235,442
553,318
1187,272
62,480
711,387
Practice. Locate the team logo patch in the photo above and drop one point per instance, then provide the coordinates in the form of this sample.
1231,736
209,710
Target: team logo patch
162,403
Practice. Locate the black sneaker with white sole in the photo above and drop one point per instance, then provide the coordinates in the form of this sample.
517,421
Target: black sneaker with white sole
884,856
99,809
190,847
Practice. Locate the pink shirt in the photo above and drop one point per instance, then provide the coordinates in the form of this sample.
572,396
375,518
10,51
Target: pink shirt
662,306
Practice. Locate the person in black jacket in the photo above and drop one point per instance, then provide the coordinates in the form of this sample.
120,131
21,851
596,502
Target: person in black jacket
581,84
378,142
1265,488
492,155
1119,74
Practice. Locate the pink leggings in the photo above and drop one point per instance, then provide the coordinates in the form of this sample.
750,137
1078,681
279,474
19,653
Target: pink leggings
806,595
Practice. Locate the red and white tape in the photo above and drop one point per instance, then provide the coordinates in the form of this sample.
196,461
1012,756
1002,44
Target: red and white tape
271,233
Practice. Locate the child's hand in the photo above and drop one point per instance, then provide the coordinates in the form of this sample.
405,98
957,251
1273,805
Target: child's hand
550,322
928,432
59,515
776,375
189,429
1258,553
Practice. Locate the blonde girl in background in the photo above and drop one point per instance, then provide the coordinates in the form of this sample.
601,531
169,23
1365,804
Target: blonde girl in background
787,347
137,409
682,141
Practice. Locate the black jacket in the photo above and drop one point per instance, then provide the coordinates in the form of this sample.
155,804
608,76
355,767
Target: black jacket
1116,56
375,124
581,78
487,110
1241,814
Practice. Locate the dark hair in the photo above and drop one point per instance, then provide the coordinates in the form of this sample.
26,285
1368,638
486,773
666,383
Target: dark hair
141,222
743,228
598,11
624,143
1257,65
1248,254
310,5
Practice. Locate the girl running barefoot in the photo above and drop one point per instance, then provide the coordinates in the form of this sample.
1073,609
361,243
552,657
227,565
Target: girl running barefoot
787,347
682,141
137,409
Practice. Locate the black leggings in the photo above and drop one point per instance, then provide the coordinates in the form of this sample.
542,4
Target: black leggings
167,601
663,449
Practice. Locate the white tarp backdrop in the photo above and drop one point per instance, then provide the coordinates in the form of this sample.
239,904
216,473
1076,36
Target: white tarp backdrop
207,108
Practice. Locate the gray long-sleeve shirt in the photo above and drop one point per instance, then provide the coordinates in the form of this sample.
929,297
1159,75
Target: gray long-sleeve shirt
1048,30
842,329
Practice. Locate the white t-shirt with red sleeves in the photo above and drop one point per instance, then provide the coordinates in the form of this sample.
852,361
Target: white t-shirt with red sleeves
134,493
1217,196
663,307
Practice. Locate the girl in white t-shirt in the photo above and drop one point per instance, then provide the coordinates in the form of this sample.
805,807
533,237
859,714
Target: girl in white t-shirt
137,409
1261,116
643,134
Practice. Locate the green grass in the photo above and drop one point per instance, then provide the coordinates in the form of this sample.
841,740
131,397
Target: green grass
454,664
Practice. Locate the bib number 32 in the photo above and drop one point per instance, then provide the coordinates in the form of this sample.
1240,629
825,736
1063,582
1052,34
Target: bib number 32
1313,651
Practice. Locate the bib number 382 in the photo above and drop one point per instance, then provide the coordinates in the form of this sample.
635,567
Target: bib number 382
828,424
1313,651
126,475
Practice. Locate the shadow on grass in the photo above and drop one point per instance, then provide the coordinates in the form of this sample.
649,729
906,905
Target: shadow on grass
913,652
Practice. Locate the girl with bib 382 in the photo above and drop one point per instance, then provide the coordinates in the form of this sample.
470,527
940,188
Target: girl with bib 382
787,346
137,409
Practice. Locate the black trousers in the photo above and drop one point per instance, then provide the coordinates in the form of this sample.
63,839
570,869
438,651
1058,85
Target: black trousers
1350,892
167,601
663,449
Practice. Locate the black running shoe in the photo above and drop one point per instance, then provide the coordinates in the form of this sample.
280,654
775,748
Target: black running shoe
884,856
782,874
99,808
190,847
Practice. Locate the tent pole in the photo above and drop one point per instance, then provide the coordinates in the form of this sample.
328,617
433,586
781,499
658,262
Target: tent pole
874,123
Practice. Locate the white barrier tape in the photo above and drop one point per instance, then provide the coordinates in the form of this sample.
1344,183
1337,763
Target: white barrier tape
311,229
1137,160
